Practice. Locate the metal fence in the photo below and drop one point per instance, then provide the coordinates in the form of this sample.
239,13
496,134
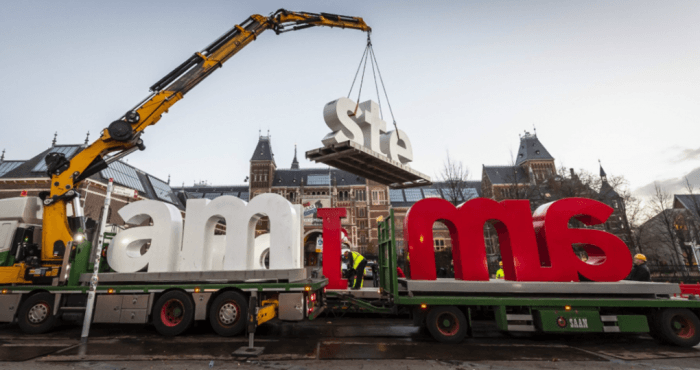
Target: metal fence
675,273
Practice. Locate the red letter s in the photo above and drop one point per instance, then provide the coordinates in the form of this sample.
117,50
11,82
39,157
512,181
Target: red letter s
609,258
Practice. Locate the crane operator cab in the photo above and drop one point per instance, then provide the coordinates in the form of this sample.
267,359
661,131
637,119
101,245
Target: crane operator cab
20,240
20,231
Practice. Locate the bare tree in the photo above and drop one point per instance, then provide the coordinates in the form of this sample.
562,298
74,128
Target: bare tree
637,214
567,183
454,176
662,228
518,183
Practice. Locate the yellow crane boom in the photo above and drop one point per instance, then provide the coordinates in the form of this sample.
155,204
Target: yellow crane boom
123,135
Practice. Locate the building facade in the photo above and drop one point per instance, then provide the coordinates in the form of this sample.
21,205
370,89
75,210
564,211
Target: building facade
534,177
29,178
313,188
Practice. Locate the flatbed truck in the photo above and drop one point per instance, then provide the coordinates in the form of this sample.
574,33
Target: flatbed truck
229,300
238,301
232,301
447,306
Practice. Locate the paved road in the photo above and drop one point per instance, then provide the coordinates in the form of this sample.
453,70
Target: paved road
384,343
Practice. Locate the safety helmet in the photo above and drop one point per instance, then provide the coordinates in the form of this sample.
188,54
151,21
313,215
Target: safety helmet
500,263
640,256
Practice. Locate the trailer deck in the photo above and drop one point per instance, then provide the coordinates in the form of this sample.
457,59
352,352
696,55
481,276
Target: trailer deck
621,288
208,277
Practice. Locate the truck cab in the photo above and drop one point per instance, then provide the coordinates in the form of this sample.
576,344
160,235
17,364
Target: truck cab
20,231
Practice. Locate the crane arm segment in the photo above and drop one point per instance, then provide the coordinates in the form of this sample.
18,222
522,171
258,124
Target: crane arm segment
123,136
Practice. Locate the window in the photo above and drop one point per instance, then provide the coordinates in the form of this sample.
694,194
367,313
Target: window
6,167
413,195
123,174
360,195
363,239
439,245
163,190
360,212
431,193
469,193
396,195
362,224
319,180
378,196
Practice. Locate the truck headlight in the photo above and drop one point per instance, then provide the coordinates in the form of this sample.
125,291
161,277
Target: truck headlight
79,237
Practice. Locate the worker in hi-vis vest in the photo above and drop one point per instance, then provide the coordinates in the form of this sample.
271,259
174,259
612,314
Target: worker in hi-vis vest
357,263
499,273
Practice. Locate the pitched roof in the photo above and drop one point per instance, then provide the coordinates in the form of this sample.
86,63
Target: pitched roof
690,202
211,192
531,149
263,151
315,177
607,191
408,197
123,174
7,166
506,175
36,167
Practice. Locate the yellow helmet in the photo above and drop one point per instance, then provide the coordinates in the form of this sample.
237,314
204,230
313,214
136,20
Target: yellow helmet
640,256
500,263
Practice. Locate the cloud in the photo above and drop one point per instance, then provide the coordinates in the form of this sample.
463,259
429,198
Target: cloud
689,154
674,185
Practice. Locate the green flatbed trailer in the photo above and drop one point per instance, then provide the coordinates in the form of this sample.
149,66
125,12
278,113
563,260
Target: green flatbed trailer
447,306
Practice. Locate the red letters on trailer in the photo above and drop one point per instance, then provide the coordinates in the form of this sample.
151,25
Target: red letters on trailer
538,248
608,256
331,246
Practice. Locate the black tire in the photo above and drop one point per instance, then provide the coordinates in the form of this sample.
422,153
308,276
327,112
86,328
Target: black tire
173,313
35,315
228,314
678,326
447,324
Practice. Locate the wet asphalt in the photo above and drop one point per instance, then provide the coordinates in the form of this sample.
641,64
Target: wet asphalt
345,340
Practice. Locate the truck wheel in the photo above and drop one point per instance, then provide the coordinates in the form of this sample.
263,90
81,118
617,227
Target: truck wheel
228,314
173,313
447,324
35,315
678,326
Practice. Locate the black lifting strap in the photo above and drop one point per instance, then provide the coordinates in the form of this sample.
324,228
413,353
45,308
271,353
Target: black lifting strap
369,54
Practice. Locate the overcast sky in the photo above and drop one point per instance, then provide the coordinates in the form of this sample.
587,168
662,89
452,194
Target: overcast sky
617,81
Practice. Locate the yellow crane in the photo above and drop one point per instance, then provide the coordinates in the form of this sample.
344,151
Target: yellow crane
123,136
